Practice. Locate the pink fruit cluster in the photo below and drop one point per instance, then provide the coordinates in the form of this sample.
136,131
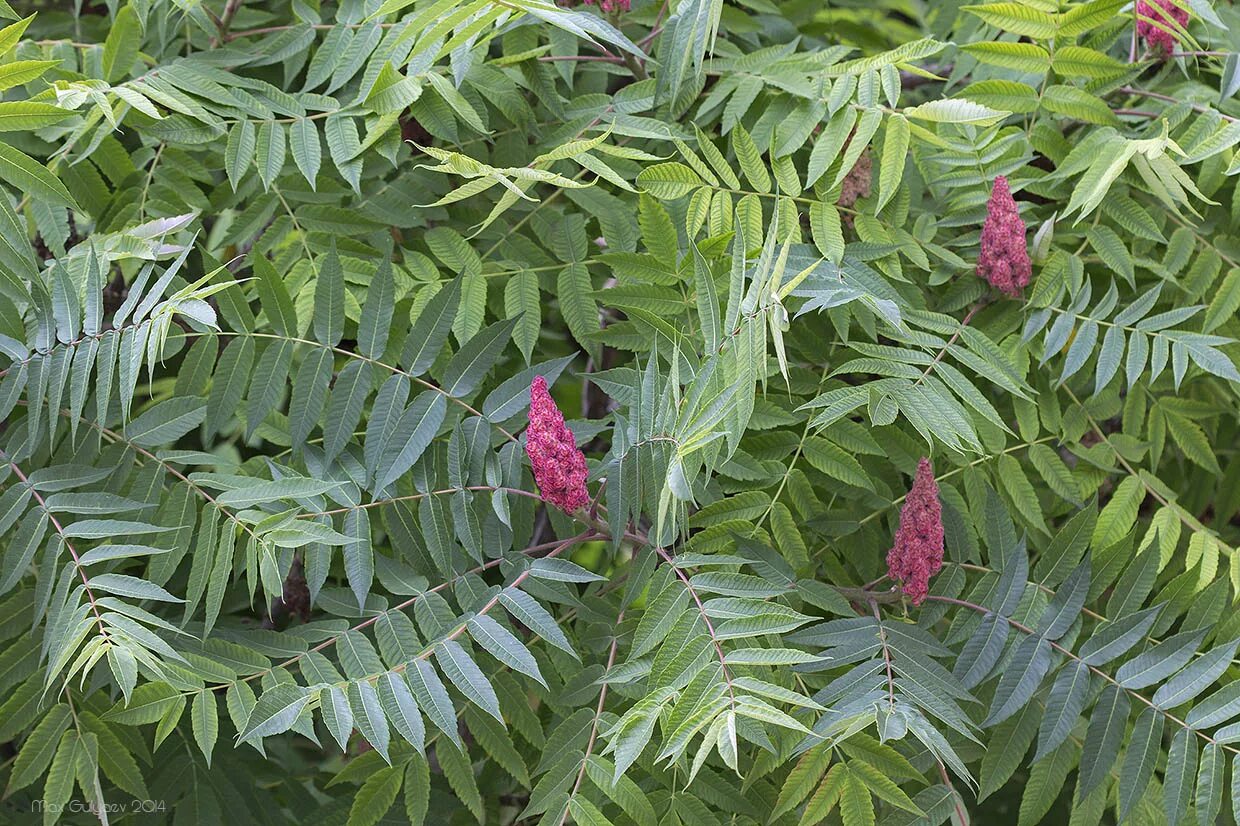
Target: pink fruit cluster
559,467
1004,260
609,6
917,553
1150,14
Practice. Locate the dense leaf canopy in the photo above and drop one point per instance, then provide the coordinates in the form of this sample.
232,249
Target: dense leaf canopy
883,459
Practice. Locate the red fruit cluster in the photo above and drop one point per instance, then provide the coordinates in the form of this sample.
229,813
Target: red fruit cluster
559,467
1157,38
1004,260
609,6
917,553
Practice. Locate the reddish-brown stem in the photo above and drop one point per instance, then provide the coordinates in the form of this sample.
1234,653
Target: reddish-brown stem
580,58
295,340
172,470
415,496
964,322
655,28
961,817
557,547
517,225
1025,629
1196,107
230,11
882,636
710,628
60,531
354,355
598,715
276,29
870,585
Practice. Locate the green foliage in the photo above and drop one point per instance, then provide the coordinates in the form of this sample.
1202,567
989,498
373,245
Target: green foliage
275,279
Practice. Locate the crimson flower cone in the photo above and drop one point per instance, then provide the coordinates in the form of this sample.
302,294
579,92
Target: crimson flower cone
1004,260
609,6
1150,15
559,467
917,553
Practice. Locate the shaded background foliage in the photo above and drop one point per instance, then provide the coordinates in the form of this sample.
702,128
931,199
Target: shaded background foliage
276,279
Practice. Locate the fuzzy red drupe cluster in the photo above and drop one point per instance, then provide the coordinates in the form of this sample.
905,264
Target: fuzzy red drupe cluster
609,6
1151,15
559,467
917,553
1004,260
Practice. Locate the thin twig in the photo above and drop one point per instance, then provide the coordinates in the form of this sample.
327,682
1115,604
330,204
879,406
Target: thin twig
1025,629
580,58
710,628
882,638
60,531
943,351
557,547
230,11
1196,107
655,28
635,66
598,715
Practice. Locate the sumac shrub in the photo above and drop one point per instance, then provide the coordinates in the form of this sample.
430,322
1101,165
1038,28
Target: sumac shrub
651,413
